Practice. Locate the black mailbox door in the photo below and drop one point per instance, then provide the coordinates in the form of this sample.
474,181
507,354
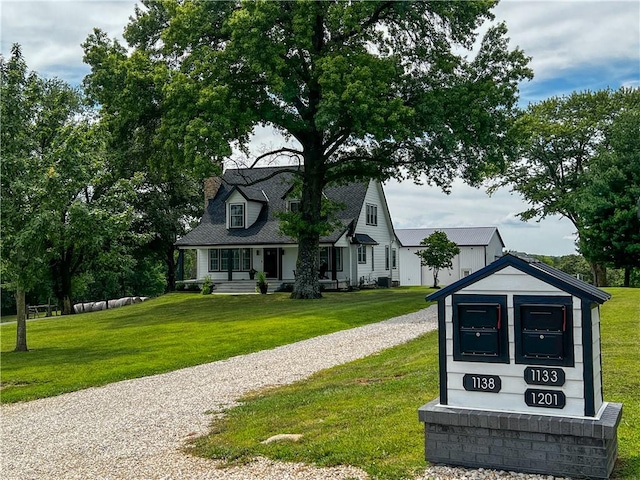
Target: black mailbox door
542,345
543,331
479,342
479,329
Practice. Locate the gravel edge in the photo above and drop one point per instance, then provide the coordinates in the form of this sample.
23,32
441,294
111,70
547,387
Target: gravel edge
135,429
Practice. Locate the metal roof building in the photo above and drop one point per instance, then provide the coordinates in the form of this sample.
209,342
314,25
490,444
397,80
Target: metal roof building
462,236
479,246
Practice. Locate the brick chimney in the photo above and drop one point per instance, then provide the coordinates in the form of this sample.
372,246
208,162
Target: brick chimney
211,186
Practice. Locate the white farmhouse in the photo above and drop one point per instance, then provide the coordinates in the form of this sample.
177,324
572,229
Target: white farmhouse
239,232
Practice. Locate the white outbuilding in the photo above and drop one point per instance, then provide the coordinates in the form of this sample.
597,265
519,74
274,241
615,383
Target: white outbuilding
479,246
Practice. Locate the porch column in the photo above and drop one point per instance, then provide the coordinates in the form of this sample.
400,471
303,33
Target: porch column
180,266
334,263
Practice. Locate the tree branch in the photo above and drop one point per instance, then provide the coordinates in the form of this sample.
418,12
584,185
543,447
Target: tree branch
248,182
375,17
276,152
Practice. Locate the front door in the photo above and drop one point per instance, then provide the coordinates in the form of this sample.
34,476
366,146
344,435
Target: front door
271,262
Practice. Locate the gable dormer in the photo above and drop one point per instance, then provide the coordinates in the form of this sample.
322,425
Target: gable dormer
243,207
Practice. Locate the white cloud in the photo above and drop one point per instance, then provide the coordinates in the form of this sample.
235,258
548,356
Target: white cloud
563,35
51,32
512,220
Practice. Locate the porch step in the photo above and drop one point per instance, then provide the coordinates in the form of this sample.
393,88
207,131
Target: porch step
237,286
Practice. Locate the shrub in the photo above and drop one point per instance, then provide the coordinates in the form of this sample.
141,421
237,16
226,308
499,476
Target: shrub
207,285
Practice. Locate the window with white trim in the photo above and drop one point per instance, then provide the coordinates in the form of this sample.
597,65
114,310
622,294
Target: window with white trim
362,254
372,214
387,257
325,257
214,260
394,259
236,215
219,259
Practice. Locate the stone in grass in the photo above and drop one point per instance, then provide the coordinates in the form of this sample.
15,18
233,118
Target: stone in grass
287,437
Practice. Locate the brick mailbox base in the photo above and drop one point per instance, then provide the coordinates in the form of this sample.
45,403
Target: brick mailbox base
560,446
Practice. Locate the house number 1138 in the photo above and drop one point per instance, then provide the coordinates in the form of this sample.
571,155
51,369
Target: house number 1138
481,383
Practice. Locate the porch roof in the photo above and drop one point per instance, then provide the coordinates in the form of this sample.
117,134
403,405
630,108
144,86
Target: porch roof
363,239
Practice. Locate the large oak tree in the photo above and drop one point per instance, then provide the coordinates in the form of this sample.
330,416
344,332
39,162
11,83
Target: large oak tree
364,89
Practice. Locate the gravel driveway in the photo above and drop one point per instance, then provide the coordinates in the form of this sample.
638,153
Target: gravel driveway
134,429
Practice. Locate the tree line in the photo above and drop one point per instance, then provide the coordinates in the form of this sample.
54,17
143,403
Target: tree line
81,218
99,182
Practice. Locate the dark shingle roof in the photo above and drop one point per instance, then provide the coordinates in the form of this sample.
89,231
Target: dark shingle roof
535,268
269,186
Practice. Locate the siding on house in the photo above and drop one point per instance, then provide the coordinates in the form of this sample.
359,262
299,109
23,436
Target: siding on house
597,357
382,233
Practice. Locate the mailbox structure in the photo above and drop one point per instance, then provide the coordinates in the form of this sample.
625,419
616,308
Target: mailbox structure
520,374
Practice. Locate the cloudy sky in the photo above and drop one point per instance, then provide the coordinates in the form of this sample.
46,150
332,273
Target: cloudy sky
575,46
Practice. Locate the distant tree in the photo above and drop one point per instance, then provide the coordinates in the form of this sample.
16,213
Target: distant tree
62,210
549,260
559,139
438,253
609,202
138,110
367,89
20,268
575,265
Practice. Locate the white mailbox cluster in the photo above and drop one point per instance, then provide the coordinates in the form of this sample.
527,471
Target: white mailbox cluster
521,336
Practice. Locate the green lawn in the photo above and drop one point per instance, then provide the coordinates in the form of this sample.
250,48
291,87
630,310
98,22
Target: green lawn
365,413
176,331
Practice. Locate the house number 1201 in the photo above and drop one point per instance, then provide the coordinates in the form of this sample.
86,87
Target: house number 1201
481,383
544,398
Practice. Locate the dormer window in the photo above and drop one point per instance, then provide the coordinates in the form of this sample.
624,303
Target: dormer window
294,206
236,215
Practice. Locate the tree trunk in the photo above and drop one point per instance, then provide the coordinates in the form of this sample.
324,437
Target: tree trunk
435,278
627,276
21,330
67,306
63,291
599,274
307,285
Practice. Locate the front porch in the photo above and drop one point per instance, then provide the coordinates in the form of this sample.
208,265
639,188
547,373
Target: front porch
223,265
242,287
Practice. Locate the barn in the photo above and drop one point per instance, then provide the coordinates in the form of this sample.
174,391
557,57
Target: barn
479,246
